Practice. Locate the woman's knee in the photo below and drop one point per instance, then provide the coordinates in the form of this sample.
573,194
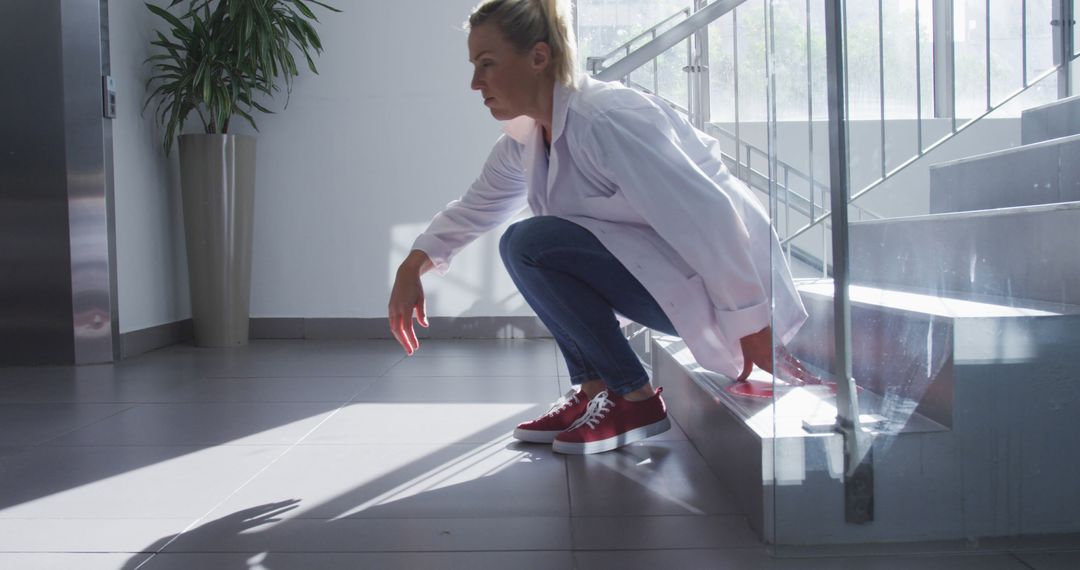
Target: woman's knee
527,237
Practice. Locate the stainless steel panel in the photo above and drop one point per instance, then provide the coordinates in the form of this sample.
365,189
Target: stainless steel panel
92,322
56,302
35,304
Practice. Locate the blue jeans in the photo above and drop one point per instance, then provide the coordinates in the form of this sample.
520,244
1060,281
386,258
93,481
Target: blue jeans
574,284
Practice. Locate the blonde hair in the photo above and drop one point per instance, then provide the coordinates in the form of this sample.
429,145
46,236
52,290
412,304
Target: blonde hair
524,23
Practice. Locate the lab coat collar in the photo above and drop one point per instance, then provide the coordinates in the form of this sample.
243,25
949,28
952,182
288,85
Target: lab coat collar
520,128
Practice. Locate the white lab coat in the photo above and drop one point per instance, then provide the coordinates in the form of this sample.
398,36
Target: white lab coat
654,191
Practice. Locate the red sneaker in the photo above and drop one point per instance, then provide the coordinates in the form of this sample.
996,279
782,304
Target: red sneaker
612,421
561,416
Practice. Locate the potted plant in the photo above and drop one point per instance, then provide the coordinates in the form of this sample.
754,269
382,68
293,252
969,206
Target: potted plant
222,56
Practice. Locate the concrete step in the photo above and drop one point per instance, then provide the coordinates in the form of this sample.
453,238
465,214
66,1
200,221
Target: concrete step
1023,253
906,346
1041,173
1003,377
1053,120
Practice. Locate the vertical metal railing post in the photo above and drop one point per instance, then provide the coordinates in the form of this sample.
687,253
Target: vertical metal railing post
944,62
770,110
858,460
989,69
1063,22
735,87
691,100
1023,41
810,122
655,71
701,38
918,78
881,84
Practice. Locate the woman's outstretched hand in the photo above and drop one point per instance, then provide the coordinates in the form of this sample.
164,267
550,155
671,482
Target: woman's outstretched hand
407,296
757,349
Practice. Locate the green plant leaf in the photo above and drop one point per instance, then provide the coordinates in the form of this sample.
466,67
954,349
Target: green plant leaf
224,53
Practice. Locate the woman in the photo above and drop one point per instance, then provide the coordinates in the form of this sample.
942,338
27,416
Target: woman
635,219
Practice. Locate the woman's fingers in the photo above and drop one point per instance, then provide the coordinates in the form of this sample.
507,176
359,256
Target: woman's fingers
421,313
748,366
410,333
406,296
398,330
393,320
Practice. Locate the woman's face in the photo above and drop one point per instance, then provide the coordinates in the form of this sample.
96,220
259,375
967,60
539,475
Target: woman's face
509,81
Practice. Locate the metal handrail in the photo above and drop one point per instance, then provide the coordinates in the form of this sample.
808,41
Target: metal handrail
665,41
685,12
777,180
923,152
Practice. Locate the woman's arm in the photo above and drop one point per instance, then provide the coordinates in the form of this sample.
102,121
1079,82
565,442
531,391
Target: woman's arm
497,194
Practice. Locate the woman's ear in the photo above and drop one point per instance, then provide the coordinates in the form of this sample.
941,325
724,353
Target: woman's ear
541,56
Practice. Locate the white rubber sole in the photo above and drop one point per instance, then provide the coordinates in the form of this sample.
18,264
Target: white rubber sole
535,436
610,443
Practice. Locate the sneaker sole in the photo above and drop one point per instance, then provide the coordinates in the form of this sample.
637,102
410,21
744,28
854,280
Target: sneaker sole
610,443
535,436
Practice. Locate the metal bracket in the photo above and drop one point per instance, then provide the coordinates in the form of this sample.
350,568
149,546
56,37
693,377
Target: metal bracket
872,422
594,64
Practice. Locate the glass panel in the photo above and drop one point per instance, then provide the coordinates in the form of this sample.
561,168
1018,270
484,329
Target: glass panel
964,310
964,306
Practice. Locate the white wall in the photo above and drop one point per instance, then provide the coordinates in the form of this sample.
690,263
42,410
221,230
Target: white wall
151,269
353,170
347,175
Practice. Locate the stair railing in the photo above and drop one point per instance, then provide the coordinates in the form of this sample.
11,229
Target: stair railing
944,78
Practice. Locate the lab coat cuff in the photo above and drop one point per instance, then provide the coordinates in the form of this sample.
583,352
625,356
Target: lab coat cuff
735,324
436,250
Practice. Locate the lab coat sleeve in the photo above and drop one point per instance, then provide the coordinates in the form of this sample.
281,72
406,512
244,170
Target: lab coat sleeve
638,150
497,194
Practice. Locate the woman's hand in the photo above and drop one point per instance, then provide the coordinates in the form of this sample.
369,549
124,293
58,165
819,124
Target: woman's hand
757,349
407,295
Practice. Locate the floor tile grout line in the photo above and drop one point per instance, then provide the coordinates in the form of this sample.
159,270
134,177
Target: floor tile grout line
244,484
45,443
1017,558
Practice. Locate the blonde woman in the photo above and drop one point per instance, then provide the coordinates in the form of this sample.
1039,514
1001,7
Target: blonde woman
635,219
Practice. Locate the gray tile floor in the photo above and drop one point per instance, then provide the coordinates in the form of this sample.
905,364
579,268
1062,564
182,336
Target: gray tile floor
334,454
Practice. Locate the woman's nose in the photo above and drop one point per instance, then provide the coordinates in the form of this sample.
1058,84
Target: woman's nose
476,84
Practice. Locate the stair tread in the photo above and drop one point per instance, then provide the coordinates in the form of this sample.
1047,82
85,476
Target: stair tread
1055,104
783,418
998,154
956,305
970,214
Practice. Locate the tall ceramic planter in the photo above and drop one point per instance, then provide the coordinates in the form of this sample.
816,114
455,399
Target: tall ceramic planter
217,179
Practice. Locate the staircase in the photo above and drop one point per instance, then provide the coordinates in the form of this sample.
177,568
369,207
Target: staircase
965,327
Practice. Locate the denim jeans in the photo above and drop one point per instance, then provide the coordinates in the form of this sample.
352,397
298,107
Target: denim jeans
574,284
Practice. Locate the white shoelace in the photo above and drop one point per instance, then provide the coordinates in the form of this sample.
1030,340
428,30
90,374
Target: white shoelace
599,406
568,399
